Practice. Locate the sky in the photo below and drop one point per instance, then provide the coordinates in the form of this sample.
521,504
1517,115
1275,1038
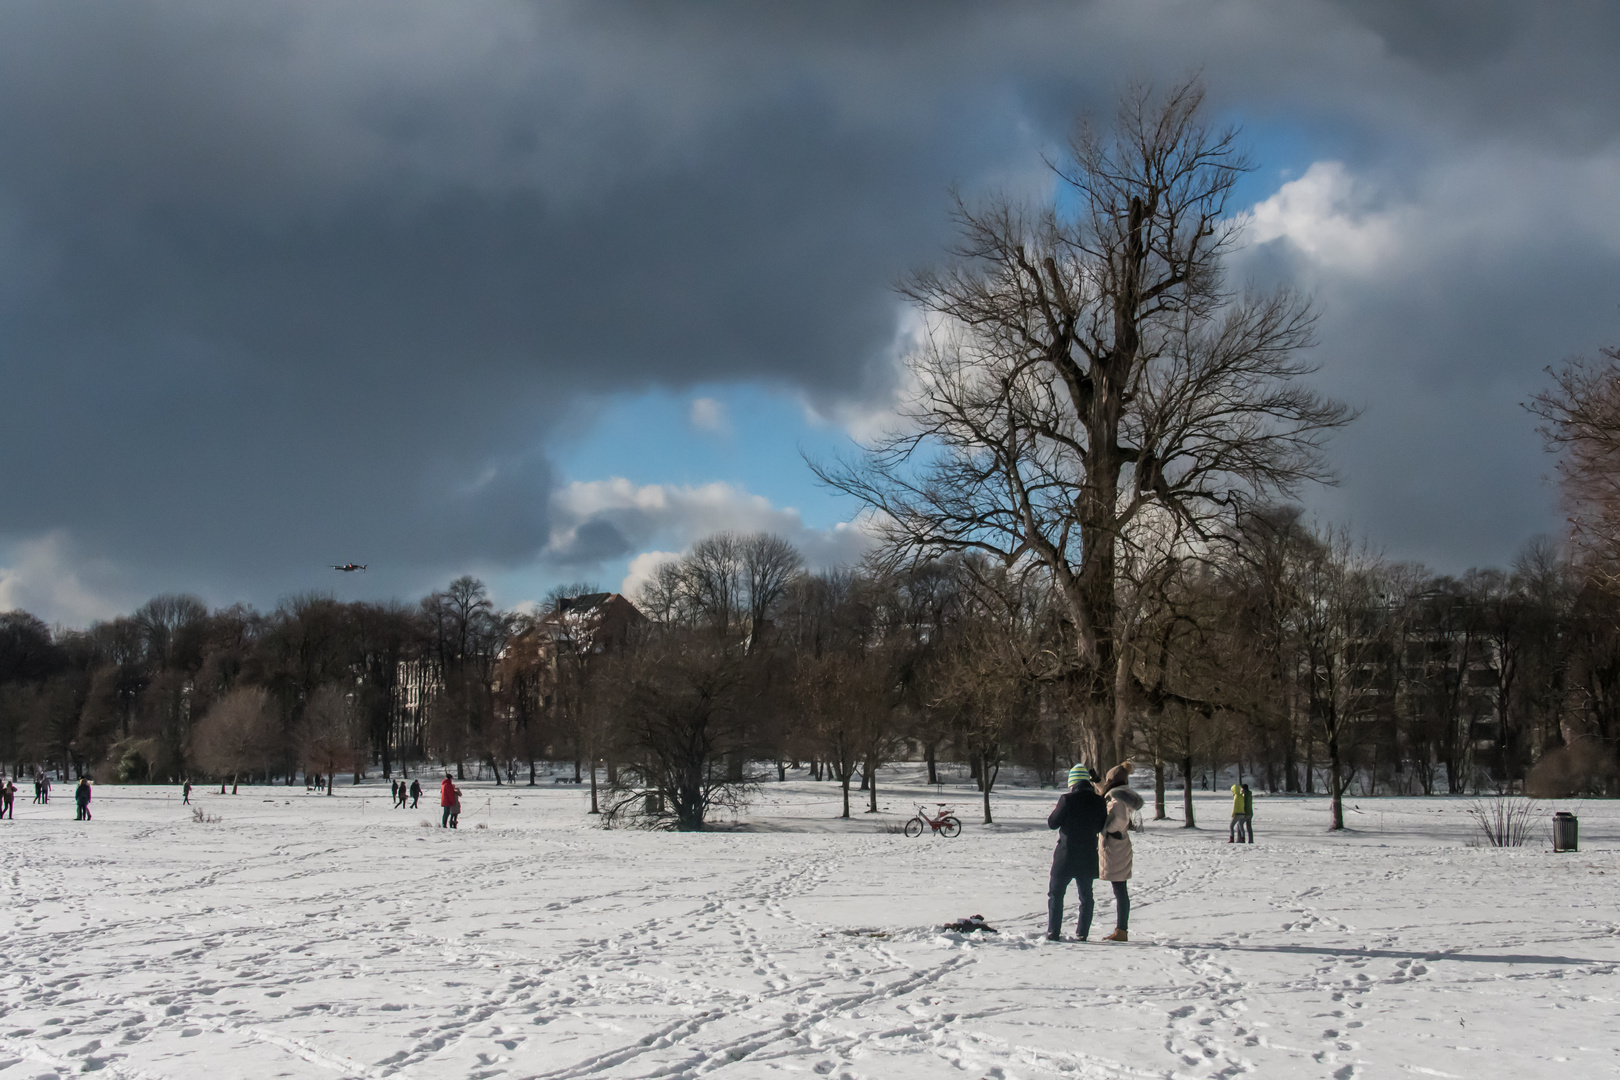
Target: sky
544,292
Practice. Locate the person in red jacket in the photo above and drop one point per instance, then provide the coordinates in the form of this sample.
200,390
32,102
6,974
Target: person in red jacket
449,800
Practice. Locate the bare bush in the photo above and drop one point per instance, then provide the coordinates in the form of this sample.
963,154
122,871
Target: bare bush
1505,821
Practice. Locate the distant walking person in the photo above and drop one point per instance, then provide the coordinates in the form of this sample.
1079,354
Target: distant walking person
39,788
1115,846
1248,812
82,797
1079,817
44,788
448,802
393,792
8,800
185,793
416,793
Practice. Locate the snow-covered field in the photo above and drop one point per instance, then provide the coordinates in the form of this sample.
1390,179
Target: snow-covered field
311,936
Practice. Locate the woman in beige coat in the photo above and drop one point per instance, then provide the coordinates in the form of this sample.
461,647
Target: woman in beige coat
1114,845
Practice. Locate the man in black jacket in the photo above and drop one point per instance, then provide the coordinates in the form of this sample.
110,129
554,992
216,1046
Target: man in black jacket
1079,817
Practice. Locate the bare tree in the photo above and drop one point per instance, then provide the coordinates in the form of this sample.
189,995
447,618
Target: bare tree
714,582
241,733
1581,424
770,564
1345,637
678,698
832,691
331,736
1083,369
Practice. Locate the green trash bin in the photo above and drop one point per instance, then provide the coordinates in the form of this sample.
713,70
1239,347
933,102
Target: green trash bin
1566,832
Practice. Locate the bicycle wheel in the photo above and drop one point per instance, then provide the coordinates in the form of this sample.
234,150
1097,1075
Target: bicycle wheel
914,827
950,827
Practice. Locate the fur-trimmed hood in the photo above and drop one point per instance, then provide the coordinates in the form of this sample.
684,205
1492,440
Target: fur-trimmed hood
1126,796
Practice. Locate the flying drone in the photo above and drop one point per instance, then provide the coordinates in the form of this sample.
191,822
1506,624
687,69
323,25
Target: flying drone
349,568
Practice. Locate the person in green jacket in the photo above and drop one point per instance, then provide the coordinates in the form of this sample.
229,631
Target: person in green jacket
1241,831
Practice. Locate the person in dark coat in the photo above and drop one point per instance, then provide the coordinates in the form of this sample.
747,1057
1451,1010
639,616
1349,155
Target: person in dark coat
82,797
1079,817
416,792
8,800
185,793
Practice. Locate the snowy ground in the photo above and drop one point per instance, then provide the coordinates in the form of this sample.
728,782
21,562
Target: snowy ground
307,936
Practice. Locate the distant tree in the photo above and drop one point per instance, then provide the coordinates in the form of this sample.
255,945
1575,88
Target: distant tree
679,698
1580,416
1345,633
769,565
331,736
240,734
836,692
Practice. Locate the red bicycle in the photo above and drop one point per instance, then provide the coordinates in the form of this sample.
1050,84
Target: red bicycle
943,825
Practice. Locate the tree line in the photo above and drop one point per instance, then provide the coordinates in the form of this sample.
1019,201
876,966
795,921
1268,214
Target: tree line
1286,651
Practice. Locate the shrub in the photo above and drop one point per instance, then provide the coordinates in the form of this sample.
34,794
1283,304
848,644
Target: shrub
1505,821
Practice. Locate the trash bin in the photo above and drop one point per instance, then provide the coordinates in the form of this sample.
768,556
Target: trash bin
1566,832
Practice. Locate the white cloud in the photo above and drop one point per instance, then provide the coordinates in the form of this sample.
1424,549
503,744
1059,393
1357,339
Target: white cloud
47,578
599,521
642,568
1328,214
709,415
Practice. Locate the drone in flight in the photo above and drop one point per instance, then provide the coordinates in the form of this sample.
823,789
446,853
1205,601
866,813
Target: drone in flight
349,568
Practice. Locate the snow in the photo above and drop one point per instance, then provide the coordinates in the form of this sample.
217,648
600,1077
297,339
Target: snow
313,936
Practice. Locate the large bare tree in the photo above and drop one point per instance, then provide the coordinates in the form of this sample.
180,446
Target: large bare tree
1084,367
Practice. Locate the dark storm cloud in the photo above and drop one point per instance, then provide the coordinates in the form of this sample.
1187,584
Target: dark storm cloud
283,284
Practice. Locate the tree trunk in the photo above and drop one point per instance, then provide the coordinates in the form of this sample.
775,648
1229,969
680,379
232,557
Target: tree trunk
871,805
1158,789
594,810
844,781
1336,789
930,756
1188,821
1291,763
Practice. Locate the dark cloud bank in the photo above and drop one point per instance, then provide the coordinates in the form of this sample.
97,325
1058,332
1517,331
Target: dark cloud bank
283,284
